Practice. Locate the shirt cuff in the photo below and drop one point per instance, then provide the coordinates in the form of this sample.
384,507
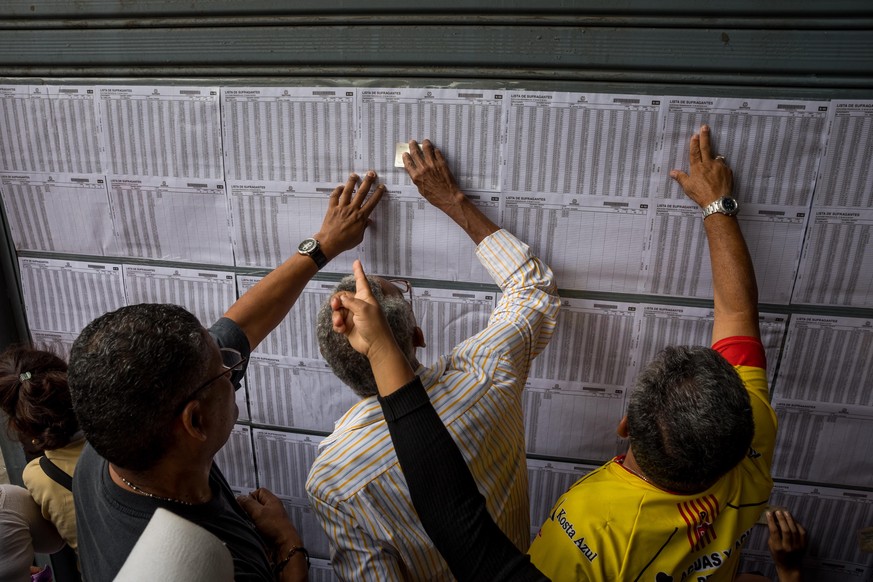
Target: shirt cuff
407,399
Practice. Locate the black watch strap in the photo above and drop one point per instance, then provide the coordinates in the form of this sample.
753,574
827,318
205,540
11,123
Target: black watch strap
311,248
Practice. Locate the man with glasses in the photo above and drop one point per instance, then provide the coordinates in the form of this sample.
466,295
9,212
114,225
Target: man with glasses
154,394
356,486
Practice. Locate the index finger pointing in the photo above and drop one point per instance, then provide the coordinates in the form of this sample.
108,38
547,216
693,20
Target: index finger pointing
362,285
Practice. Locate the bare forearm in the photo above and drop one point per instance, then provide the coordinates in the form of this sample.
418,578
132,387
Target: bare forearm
466,215
735,291
266,304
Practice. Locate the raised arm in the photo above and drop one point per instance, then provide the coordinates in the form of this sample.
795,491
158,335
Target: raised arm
266,304
733,278
447,501
429,171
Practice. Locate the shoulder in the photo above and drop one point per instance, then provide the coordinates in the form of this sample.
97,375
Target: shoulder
227,334
742,351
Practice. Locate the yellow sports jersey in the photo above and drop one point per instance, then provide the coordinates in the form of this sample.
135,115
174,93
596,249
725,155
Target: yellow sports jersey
613,525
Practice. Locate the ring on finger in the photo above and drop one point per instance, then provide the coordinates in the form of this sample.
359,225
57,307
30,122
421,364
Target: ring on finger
719,158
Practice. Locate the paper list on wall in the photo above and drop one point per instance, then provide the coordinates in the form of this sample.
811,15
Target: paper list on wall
447,317
295,336
582,144
466,124
65,296
171,132
572,421
676,325
206,294
57,342
284,460
548,480
172,219
833,517
576,391
48,128
593,343
837,263
846,177
412,238
590,243
823,401
772,146
271,218
236,460
65,213
827,359
293,393
294,134
679,263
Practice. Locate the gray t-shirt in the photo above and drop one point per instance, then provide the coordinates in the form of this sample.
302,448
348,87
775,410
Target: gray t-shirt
111,519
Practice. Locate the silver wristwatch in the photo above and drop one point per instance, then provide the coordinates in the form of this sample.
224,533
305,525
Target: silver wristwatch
725,205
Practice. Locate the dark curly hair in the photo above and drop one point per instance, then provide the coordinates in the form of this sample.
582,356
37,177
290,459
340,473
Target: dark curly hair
36,398
130,370
689,419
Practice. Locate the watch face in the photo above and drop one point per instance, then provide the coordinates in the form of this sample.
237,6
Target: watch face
729,204
307,246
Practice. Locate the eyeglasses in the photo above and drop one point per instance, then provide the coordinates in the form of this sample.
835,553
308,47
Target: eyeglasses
231,360
404,286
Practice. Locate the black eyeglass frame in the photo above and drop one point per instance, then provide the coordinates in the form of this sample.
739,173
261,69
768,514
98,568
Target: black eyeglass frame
237,366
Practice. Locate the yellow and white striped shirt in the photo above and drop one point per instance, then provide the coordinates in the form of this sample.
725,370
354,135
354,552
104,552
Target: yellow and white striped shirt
356,485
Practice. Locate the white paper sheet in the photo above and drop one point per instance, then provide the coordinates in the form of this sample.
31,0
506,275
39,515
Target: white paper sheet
548,480
466,124
284,460
64,213
167,132
294,393
837,264
206,294
590,243
65,296
237,460
584,144
772,146
172,219
47,128
292,134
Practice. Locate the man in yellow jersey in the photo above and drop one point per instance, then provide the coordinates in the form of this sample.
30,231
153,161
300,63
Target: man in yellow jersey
356,485
679,505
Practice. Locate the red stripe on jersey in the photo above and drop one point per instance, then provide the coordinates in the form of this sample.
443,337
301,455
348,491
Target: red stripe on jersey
742,351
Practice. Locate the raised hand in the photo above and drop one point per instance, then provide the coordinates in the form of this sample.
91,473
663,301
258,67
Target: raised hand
709,177
359,316
348,214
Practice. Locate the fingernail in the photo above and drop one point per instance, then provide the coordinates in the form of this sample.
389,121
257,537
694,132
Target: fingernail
371,174
704,127
353,176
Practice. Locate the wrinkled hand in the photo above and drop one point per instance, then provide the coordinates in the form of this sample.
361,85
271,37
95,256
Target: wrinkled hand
430,172
787,541
348,215
268,514
360,318
709,178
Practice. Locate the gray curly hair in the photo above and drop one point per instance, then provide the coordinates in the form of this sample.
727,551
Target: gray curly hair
350,366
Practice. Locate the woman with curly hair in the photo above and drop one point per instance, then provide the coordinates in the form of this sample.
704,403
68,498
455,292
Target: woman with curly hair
35,397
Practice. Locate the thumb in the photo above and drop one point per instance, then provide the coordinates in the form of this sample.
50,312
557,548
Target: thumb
247,503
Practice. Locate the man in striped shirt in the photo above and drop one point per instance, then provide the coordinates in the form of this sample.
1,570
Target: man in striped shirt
356,486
